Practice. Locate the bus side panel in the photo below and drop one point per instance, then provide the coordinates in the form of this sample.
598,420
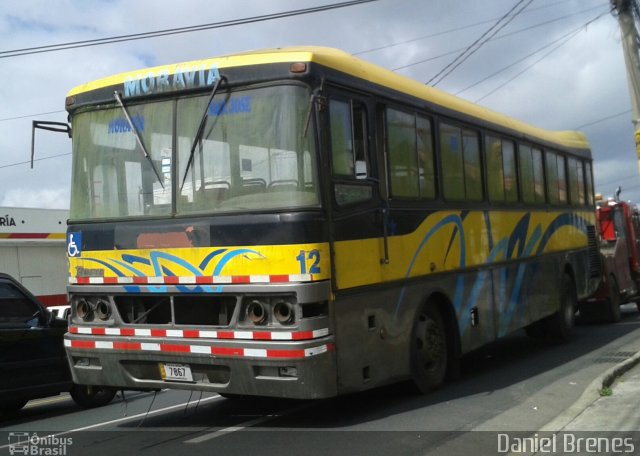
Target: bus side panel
374,326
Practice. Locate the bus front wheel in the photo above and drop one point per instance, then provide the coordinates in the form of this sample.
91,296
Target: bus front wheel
429,351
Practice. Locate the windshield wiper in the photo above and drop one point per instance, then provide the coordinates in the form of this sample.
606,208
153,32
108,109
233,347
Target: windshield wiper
137,135
203,122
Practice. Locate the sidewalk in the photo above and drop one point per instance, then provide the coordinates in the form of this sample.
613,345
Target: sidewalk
619,411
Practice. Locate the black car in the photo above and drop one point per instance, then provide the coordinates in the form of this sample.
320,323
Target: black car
33,362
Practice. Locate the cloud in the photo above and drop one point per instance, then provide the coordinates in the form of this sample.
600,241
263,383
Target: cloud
55,198
580,82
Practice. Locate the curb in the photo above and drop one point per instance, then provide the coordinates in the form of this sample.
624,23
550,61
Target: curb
591,394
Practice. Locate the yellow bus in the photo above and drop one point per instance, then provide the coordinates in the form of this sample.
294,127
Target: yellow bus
300,223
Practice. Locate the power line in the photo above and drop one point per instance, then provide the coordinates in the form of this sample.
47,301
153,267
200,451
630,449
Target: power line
567,38
26,116
475,24
603,119
178,30
495,73
36,159
477,44
506,35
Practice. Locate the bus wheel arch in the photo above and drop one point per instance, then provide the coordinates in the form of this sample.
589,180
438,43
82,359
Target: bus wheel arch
434,345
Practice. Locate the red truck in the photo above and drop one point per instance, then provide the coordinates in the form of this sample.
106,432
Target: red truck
618,225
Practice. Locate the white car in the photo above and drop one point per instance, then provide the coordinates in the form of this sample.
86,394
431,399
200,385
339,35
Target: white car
60,311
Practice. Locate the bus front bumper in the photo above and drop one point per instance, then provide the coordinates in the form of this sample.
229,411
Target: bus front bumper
298,370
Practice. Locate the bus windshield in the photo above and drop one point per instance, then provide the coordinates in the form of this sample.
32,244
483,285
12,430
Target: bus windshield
253,154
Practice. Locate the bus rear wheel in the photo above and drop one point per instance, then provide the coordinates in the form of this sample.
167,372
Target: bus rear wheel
560,325
429,349
612,313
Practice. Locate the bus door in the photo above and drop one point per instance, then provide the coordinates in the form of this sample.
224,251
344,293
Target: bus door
357,221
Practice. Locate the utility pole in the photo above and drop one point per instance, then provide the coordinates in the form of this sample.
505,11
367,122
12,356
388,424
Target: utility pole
630,37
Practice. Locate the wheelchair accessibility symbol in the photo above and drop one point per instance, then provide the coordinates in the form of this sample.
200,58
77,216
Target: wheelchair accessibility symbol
74,244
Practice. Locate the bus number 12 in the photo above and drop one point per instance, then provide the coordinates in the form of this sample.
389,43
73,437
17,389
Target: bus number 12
313,258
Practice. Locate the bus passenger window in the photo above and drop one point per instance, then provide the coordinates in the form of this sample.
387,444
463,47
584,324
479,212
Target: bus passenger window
576,181
472,167
452,163
403,160
426,168
562,180
348,129
526,173
461,171
501,170
495,173
552,177
538,176
589,183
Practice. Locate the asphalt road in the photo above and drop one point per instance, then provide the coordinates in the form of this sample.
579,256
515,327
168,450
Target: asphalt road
516,384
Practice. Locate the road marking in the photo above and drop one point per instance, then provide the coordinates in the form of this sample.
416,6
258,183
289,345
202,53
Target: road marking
246,424
49,400
130,418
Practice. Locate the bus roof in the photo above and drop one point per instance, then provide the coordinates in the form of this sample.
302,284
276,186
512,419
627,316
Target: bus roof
346,63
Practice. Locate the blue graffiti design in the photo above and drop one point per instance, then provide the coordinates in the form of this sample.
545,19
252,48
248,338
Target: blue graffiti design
133,259
229,256
457,221
128,267
517,245
156,257
106,265
206,260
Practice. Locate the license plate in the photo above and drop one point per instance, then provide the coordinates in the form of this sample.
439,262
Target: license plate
176,372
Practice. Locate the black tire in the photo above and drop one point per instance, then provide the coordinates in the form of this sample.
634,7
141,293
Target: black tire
429,349
88,396
560,325
612,313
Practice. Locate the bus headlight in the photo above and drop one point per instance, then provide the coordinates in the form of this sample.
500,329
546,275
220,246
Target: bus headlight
84,310
284,313
257,312
103,309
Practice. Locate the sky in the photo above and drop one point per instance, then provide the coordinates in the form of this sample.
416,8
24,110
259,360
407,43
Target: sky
554,65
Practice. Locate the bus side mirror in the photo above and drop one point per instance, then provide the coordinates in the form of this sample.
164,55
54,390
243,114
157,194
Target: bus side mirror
59,127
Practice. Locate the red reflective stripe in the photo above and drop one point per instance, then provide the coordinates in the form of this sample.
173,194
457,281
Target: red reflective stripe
278,278
140,280
262,335
301,335
98,331
191,333
226,335
127,346
53,300
127,332
28,235
227,351
73,330
285,353
172,280
240,279
110,280
158,333
204,279
175,348
82,280
83,344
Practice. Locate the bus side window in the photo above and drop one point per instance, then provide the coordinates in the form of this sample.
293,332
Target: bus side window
349,151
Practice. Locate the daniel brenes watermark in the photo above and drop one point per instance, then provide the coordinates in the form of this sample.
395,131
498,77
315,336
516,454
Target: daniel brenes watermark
566,443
